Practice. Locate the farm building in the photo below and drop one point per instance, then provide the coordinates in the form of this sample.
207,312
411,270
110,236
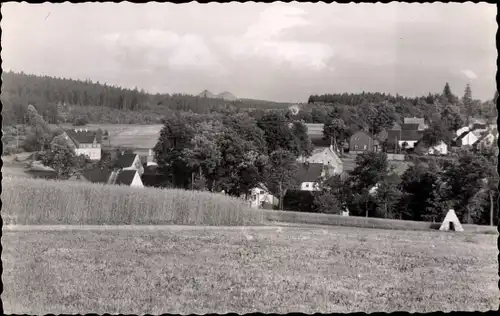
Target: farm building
362,141
403,138
310,175
327,157
130,161
416,120
261,197
83,141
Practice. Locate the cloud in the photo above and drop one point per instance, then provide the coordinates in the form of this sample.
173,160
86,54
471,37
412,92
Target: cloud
469,74
164,48
262,40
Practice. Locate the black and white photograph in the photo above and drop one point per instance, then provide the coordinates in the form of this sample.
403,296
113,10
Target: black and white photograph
198,158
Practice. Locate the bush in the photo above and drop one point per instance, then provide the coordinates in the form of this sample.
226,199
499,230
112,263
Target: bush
47,202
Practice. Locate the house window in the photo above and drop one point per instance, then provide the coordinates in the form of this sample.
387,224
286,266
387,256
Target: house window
261,192
356,146
307,185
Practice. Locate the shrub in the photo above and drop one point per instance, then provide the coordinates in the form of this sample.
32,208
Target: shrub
46,202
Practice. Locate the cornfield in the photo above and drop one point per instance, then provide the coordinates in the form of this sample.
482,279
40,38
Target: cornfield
49,202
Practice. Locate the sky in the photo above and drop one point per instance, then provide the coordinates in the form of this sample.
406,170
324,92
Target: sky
278,51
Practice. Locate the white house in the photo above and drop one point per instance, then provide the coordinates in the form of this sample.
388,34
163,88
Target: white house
328,158
83,142
151,158
260,195
310,175
462,130
485,141
439,149
466,139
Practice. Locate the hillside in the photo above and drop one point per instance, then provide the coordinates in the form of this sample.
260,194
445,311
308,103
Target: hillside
64,100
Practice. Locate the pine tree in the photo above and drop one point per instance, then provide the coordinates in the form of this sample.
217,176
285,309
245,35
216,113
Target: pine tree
468,102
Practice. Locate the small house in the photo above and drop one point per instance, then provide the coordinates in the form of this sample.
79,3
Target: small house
416,120
82,141
403,138
486,140
129,178
260,197
130,161
362,141
327,157
467,138
310,176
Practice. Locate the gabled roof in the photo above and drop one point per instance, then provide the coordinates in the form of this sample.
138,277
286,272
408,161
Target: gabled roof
125,177
414,120
476,126
125,160
310,172
364,132
97,175
409,126
81,137
404,135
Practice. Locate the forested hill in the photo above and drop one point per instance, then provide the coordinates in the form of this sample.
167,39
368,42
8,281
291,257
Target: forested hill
66,100
46,93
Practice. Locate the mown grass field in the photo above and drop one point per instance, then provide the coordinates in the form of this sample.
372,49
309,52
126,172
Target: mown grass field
127,135
174,269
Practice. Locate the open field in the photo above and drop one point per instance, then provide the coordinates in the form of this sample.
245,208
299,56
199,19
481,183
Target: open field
266,269
127,135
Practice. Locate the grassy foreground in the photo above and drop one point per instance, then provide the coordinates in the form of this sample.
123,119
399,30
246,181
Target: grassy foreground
201,270
35,201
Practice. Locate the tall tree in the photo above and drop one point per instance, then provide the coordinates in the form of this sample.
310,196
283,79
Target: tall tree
282,171
468,103
64,161
466,179
336,131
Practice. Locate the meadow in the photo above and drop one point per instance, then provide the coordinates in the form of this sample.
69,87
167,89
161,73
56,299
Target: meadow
274,269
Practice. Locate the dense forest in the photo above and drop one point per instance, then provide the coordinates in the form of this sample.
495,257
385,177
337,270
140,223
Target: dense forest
60,99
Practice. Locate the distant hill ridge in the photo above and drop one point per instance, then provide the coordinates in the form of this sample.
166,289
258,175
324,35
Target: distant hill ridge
228,96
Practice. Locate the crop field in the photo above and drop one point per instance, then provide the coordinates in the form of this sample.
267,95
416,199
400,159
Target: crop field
276,269
39,202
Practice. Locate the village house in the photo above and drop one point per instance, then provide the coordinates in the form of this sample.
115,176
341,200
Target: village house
130,161
362,141
82,141
106,176
310,176
486,140
467,138
260,197
403,138
440,149
327,157
416,120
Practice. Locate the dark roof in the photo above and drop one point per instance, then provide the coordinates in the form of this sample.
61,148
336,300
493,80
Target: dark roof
310,172
125,160
463,135
479,126
125,177
409,127
97,175
404,135
364,132
81,137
